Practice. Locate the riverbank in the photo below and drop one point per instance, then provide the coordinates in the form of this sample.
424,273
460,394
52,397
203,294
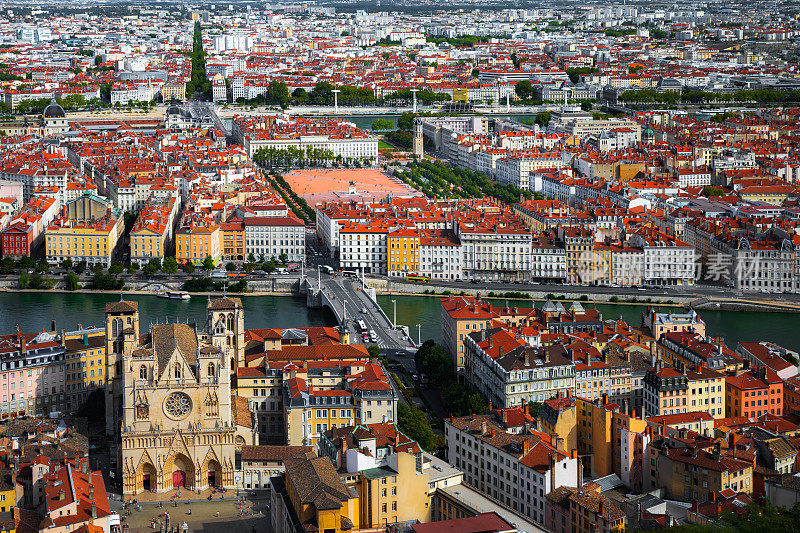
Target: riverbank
35,311
287,287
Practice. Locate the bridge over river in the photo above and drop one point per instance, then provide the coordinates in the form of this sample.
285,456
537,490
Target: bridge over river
352,300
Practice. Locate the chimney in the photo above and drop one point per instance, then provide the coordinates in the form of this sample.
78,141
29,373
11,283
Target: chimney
91,490
60,494
53,325
600,507
605,398
94,510
83,466
483,427
505,416
526,447
492,433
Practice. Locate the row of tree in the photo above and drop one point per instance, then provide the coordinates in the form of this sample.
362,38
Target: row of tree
440,180
751,96
199,86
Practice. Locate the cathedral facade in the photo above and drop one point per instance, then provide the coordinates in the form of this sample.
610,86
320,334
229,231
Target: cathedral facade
180,424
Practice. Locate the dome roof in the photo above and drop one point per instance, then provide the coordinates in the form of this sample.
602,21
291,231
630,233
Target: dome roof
174,110
53,110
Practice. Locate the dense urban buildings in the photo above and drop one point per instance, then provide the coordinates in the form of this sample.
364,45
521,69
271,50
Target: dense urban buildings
526,166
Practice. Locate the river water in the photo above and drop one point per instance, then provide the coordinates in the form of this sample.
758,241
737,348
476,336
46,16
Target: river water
34,312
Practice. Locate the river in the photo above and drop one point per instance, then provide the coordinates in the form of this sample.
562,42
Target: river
34,311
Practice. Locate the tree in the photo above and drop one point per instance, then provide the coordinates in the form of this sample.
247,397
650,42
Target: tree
533,408
277,94
382,124
406,121
270,266
524,89
412,422
188,267
283,258
374,351
24,279
170,265
230,267
66,264
434,362
80,267
710,191
115,268
208,263
152,267
71,282
43,266
7,265
26,262
543,118
322,93
475,73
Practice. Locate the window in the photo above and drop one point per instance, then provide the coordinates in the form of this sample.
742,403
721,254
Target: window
177,370
143,372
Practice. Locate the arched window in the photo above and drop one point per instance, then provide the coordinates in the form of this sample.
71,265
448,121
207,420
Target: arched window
230,322
130,321
143,372
211,370
177,370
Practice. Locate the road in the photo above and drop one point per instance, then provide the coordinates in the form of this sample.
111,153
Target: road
695,291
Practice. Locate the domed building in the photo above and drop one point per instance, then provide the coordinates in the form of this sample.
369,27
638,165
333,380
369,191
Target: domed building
55,119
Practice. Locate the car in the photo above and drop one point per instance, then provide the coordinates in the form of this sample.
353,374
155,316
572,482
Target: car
259,273
364,310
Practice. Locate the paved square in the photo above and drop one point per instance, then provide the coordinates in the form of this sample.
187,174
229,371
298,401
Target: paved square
232,516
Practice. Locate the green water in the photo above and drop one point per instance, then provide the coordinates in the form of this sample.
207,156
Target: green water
34,311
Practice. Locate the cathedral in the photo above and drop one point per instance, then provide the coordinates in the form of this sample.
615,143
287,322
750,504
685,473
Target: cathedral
180,423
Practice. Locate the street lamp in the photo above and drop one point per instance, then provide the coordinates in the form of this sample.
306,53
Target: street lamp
394,322
419,334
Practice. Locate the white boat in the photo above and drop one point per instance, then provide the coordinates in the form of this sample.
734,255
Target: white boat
174,295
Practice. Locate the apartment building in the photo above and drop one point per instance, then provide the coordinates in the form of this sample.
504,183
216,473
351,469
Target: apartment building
364,248
688,471
509,372
275,237
197,238
403,248
516,469
367,397
754,393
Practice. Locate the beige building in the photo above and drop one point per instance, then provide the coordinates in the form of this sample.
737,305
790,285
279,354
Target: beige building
181,426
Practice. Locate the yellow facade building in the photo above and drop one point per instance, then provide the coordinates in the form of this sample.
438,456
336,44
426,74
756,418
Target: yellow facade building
397,492
403,247
195,241
90,241
85,363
